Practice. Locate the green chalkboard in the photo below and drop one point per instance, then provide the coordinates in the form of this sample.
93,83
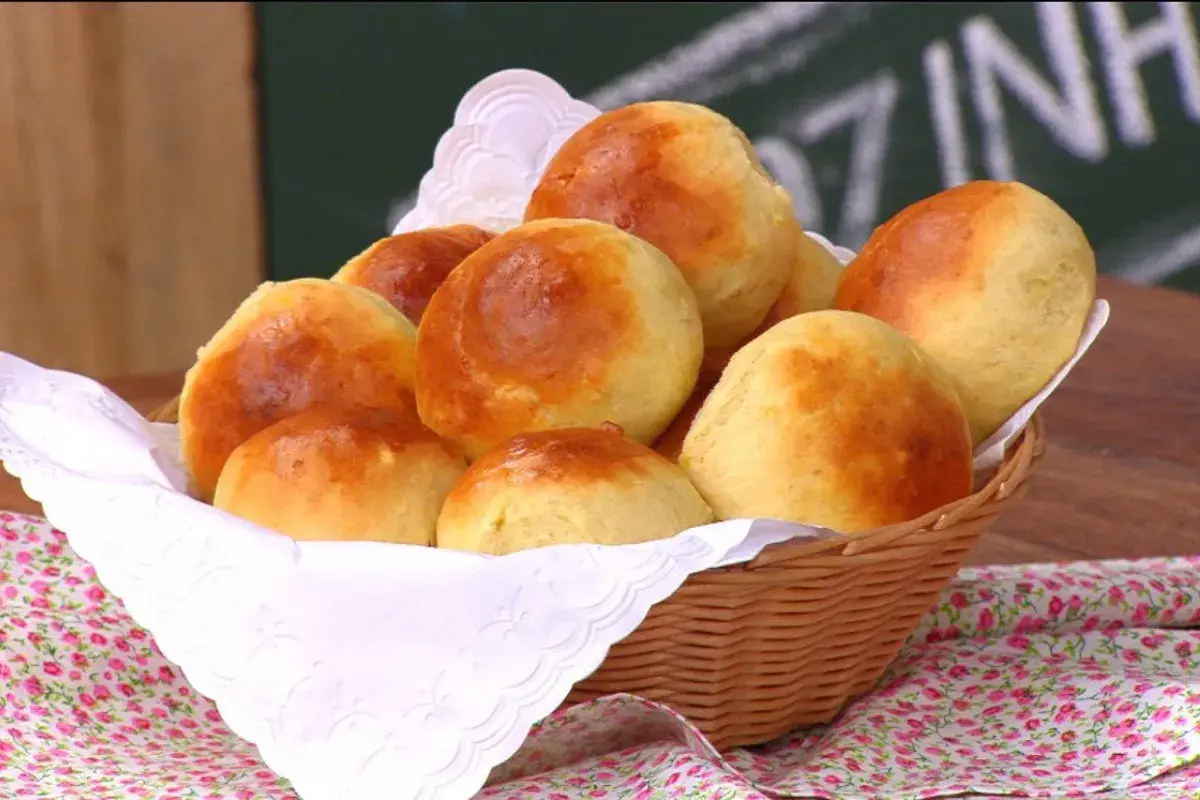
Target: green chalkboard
858,108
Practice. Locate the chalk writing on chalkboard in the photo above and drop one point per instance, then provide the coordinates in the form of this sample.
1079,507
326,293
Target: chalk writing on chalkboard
972,84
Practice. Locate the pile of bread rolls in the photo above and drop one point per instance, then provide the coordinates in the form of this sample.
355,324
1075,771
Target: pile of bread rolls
659,345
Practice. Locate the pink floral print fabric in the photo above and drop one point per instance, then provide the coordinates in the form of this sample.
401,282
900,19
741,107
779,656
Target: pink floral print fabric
1043,681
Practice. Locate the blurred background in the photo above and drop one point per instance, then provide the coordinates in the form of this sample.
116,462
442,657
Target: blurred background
157,160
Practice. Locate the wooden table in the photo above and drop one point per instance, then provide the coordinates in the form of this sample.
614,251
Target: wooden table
1121,477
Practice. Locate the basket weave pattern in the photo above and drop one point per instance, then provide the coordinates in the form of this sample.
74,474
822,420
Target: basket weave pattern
750,652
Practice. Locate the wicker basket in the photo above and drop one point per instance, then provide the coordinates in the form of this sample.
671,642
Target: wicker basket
751,652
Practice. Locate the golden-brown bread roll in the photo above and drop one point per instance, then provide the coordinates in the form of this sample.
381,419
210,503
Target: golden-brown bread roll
833,419
407,268
557,324
291,347
578,485
994,280
687,180
811,287
358,475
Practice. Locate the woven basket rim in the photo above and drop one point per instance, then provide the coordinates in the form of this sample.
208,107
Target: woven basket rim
1009,476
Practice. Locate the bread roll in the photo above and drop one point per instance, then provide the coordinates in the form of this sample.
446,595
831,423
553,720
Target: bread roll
685,179
407,268
577,485
810,287
359,475
288,348
557,324
993,280
834,419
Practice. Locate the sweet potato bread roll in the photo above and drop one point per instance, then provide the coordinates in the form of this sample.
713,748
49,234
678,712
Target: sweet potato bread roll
356,475
557,324
567,486
994,280
811,284
685,179
407,268
830,418
810,287
291,347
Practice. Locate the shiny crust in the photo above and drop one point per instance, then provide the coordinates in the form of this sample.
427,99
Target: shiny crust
560,457
937,245
339,439
834,419
685,179
291,347
898,441
406,269
553,324
360,474
565,486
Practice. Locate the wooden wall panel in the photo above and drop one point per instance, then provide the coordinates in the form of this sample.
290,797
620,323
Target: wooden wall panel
130,210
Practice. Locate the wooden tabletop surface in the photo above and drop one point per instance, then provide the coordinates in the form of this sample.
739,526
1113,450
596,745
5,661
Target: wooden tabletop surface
1121,476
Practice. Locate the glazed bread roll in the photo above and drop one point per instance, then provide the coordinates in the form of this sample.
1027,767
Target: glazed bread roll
579,485
811,284
685,179
994,280
407,268
557,324
360,475
288,348
810,287
834,419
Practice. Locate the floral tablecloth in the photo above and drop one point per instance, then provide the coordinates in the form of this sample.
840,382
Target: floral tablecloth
1041,681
